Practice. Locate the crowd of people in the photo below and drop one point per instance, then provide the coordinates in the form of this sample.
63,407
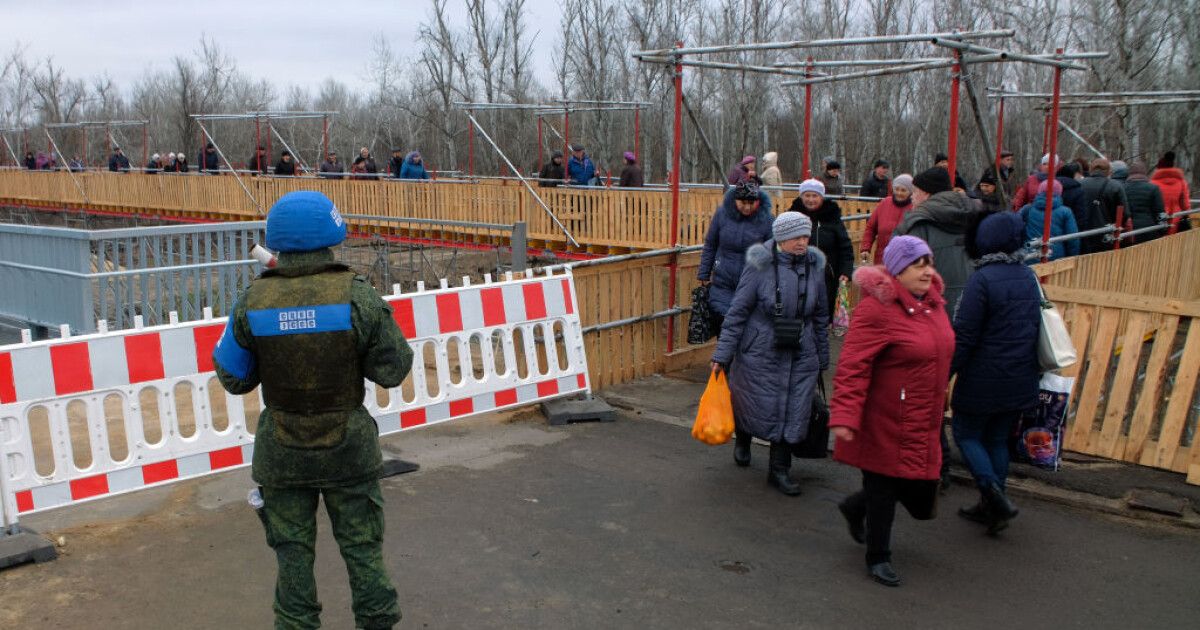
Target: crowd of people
947,297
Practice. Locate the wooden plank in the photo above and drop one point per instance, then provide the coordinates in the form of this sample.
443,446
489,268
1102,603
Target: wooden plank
1089,384
1168,306
1180,400
1148,397
1123,382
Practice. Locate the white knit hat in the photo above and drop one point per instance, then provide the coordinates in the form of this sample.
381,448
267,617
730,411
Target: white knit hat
812,185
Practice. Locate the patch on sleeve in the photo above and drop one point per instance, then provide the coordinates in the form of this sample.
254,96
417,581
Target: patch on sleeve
231,356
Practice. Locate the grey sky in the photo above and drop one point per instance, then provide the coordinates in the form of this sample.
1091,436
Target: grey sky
287,42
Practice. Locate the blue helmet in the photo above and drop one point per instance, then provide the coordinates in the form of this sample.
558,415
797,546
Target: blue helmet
304,221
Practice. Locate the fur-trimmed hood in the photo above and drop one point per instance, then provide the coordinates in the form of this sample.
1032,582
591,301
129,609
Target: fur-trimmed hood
876,282
759,256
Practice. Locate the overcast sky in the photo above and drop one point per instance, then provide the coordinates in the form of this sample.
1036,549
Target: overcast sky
288,42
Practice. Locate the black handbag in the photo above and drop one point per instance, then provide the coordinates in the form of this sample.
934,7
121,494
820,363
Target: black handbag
701,320
815,444
789,331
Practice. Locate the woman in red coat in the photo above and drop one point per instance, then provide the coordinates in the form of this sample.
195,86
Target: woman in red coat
1176,196
889,396
886,217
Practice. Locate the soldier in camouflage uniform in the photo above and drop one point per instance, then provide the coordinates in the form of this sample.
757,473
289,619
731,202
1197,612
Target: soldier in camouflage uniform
310,331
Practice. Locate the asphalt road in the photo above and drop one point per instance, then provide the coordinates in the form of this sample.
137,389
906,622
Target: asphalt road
512,524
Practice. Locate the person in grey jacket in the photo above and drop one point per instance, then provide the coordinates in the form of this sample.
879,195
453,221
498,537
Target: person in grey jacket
941,218
742,220
773,375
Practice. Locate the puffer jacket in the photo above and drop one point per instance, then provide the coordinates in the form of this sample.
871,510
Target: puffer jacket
996,326
771,176
772,389
942,221
1073,199
1145,204
730,234
1028,190
890,387
884,219
1062,221
1175,194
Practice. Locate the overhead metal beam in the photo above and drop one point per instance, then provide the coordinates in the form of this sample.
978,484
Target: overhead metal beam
821,43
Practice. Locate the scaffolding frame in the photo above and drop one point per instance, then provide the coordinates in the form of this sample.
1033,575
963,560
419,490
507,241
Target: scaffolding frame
111,130
560,107
955,41
4,133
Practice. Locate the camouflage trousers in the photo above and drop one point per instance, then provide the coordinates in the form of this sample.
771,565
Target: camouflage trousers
356,513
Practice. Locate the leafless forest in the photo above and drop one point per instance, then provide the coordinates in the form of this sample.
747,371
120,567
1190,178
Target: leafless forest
1154,45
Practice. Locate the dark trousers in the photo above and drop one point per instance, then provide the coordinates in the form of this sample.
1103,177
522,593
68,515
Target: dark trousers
876,502
983,441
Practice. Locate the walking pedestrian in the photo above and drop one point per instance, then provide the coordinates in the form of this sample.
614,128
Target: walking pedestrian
743,219
774,345
1173,184
286,166
831,177
314,438
209,160
1062,221
1004,179
1072,194
885,217
30,162
364,164
631,175
889,396
743,170
396,165
995,357
1101,198
332,168
941,160
988,194
551,174
771,175
580,169
877,183
940,217
1028,190
259,163
829,235
117,162
1145,201
414,167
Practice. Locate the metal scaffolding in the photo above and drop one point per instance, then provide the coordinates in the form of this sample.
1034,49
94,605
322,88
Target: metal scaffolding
112,138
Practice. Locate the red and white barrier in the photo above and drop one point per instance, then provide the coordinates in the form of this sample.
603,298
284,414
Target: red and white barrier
495,331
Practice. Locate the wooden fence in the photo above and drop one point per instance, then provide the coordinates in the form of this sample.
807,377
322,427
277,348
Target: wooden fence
1133,316
602,221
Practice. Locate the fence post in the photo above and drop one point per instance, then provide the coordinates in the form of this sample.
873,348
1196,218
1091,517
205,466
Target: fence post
520,245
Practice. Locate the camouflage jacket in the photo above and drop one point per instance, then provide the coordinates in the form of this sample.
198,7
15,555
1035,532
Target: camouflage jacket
385,358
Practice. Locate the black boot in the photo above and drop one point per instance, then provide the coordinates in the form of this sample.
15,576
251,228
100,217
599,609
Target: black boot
777,472
741,448
884,574
977,513
1000,509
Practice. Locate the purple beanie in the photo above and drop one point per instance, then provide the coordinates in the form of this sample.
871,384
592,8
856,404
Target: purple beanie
749,159
630,157
902,251
1057,188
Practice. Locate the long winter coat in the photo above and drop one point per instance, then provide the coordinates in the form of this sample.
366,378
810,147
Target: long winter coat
1101,196
551,174
1073,199
1145,204
730,234
771,176
890,387
830,236
942,221
631,176
996,326
772,389
1028,190
833,185
1062,221
883,222
209,161
1175,193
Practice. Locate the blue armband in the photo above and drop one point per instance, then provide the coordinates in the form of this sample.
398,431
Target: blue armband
231,356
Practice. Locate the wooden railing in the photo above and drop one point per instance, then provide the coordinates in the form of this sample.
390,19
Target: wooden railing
1133,315
602,221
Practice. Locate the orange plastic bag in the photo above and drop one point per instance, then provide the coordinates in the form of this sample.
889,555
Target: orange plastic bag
714,420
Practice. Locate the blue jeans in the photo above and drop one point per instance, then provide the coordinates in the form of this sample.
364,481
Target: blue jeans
983,441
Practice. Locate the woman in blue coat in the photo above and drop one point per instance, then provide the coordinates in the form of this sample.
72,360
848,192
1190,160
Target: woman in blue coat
995,357
1062,221
742,220
773,363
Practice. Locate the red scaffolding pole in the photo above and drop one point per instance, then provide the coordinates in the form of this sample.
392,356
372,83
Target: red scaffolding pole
999,141
956,78
1051,167
676,150
807,118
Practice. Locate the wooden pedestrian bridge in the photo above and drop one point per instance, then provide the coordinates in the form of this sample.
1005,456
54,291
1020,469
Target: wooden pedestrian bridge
1132,312
603,221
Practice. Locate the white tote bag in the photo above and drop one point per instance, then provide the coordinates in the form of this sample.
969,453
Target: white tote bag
1055,348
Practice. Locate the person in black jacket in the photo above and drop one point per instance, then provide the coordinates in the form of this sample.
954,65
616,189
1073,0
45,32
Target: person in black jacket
209,161
631,176
397,162
877,183
117,162
829,235
30,161
1101,197
1071,178
259,162
943,160
364,164
552,174
285,165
